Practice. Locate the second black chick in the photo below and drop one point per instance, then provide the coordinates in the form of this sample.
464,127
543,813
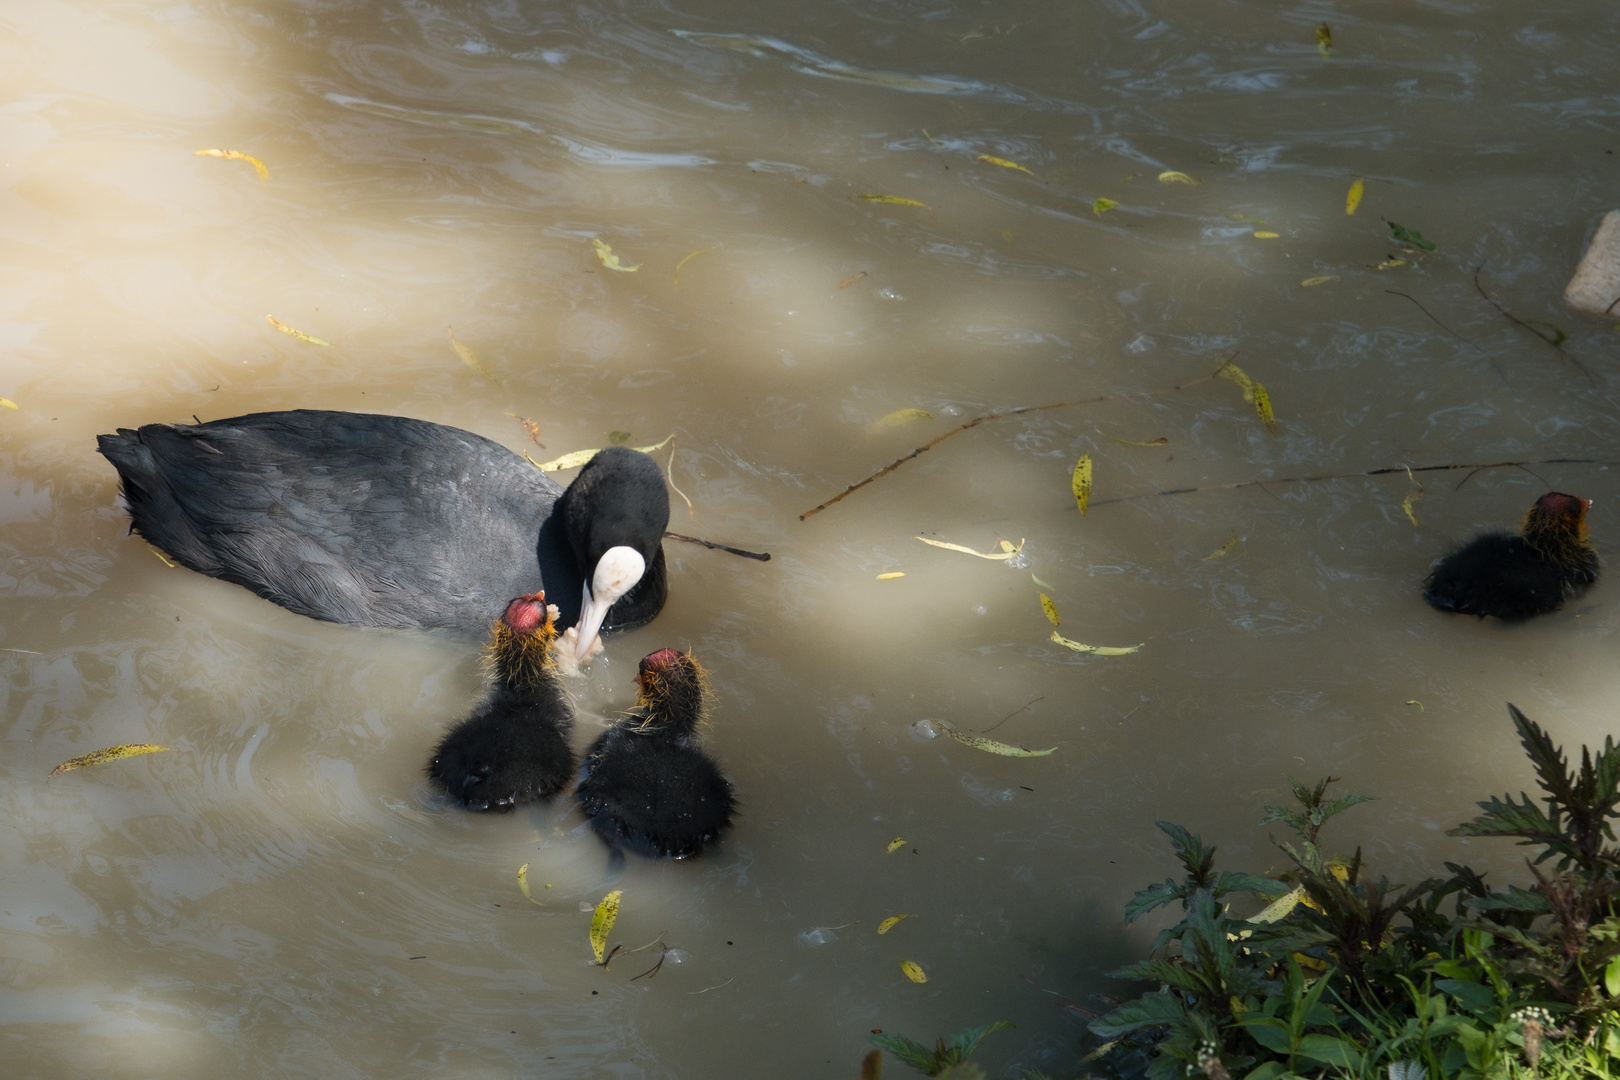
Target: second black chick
645,784
1515,577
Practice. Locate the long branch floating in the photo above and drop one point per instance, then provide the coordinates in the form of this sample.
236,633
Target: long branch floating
976,421
1387,470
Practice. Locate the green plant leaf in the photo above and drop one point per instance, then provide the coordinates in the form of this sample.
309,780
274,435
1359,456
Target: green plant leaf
1409,236
1154,896
1149,1010
1611,978
1330,1051
965,1042
1270,1033
1474,997
1269,1071
910,1051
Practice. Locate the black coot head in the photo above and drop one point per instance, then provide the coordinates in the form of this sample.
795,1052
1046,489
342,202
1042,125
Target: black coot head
615,513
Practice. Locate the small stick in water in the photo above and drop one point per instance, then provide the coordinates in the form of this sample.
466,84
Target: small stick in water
762,556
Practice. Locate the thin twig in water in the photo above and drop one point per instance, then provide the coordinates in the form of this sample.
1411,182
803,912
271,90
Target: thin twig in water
691,513
762,556
706,989
1012,714
976,421
653,971
1350,476
1512,318
609,958
653,942
1431,316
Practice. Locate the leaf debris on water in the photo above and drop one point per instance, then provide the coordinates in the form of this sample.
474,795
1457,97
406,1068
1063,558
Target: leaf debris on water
1170,176
852,279
1253,393
111,753
1007,551
7,403
299,334
913,971
468,358
895,845
1323,280
989,746
1050,609
1324,40
1409,236
602,923
1003,162
891,922
1042,584
523,884
1352,199
1102,206
1160,441
1097,650
894,199
1406,503
901,416
1265,234
163,558
689,257
605,253
1080,482
1224,548
1389,263
891,575
580,457
237,155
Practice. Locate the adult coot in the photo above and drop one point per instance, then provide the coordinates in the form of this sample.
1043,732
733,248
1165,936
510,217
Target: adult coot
514,749
1515,577
644,784
388,521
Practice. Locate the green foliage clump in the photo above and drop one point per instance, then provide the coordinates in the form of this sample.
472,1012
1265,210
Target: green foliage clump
1346,976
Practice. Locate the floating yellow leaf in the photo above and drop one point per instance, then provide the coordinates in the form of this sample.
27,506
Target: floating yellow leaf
1390,263
1323,280
1160,441
1038,581
989,746
1353,199
610,260
1324,39
580,457
1224,548
237,155
602,922
523,884
299,334
895,845
112,753
1006,234
1007,549
902,416
1102,206
913,971
1406,503
1050,609
164,559
891,575
1253,393
1080,482
468,358
1003,162
687,259
1173,177
889,924
1246,217
1097,650
7,403
1262,407
895,199
1419,704
1265,235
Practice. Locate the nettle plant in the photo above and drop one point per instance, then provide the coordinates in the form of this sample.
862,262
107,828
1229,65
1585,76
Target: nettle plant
1345,975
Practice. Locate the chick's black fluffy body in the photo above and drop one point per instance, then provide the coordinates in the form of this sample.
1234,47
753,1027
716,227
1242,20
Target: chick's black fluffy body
1514,577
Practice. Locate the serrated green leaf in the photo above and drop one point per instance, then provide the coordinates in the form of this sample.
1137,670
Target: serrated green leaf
1149,1010
1330,1051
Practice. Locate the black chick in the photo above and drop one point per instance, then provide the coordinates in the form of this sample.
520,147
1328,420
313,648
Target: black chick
514,749
644,784
1515,577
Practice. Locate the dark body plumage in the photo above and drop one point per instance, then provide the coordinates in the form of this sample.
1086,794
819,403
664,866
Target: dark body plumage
1515,577
386,521
514,749
645,784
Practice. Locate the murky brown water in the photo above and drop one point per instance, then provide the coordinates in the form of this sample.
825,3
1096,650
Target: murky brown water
280,896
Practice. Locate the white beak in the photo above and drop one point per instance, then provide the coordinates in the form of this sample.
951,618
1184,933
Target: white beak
617,572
